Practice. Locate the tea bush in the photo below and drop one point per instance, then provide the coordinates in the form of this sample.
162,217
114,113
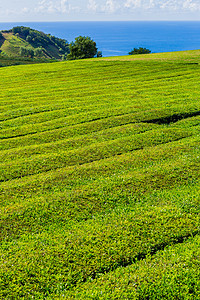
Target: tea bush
99,178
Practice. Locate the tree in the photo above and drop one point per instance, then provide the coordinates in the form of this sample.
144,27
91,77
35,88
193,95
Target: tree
38,52
139,51
83,47
99,54
26,52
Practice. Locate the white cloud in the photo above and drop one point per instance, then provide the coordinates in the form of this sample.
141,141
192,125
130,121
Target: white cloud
25,10
170,5
175,5
92,5
191,5
116,6
133,4
99,9
110,6
61,6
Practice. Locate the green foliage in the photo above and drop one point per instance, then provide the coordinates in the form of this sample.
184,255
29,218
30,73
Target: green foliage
99,179
83,47
38,52
6,60
173,273
26,52
139,51
38,39
99,54
28,38
21,30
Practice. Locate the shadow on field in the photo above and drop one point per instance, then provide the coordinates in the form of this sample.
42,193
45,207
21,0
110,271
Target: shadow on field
173,118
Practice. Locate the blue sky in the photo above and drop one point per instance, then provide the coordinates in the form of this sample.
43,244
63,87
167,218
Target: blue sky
98,10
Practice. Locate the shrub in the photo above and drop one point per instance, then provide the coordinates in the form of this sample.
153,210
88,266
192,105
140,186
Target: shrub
139,51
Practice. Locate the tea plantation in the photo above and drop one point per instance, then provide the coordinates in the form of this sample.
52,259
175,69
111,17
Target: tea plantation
99,178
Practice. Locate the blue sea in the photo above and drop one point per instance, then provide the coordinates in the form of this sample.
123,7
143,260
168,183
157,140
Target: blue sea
118,38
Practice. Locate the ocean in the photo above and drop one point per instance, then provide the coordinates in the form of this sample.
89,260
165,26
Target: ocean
118,38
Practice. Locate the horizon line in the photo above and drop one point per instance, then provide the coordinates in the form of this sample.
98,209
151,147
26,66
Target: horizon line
100,21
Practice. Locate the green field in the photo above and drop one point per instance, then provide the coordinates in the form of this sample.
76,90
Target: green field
99,178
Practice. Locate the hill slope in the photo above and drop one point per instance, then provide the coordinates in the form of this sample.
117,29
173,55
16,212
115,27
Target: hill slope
14,41
99,178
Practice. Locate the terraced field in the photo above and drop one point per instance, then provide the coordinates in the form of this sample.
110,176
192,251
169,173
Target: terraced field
99,178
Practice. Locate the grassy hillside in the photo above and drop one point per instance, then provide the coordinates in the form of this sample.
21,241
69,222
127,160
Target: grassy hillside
99,178
24,42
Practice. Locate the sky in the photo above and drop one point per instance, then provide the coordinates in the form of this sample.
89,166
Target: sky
98,10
